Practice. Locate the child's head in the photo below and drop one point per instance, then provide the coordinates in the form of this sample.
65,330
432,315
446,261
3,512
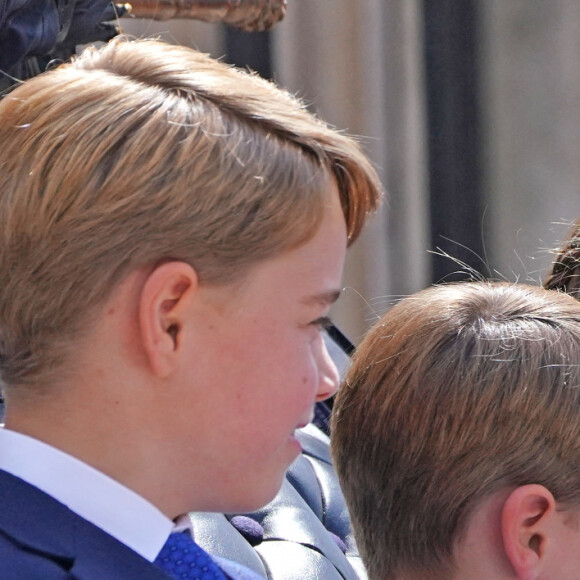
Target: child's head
142,153
460,395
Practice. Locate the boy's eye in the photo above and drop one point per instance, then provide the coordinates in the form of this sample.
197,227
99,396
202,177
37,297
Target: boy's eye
323,322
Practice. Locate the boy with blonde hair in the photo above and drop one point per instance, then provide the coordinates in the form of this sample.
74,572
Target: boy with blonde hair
172,235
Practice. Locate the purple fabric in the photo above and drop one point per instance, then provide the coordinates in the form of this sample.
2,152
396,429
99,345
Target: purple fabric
250,529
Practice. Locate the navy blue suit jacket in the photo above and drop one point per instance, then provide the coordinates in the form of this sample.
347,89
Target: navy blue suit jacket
41,539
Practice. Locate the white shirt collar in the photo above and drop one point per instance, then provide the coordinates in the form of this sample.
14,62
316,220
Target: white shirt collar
94,496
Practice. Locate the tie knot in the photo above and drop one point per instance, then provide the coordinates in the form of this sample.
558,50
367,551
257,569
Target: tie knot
184,559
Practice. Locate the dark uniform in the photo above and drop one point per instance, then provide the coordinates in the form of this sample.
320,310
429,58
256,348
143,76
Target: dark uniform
34,33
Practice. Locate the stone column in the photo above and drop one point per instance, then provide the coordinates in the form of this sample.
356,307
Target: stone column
359,65
531,84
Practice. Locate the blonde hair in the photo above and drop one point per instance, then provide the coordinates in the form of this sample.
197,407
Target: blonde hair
458,392
142,152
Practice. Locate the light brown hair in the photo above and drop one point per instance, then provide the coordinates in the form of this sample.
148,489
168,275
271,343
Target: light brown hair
142,152
459,391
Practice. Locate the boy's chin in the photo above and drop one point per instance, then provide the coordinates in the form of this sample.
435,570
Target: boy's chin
256,499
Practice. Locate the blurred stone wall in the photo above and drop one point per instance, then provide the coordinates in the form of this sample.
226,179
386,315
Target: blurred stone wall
531,97
359,64
200,35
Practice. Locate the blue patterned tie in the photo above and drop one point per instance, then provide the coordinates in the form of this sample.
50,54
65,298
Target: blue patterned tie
184,559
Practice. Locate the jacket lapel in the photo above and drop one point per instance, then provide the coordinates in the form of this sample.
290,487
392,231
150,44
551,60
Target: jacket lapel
37,523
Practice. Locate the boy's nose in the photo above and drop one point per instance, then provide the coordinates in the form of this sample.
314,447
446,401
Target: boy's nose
329,378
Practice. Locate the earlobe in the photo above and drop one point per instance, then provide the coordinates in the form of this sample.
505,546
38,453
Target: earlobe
164,301
527,521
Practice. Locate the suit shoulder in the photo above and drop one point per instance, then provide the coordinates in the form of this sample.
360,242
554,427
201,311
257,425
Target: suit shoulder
17,563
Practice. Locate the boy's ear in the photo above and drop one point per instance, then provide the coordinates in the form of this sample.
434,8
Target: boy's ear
165,300
529,527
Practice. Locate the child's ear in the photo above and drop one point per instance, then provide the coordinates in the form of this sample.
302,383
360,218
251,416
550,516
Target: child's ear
529,524
164,304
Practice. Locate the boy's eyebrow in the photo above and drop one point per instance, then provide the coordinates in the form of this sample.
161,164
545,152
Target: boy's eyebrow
324,298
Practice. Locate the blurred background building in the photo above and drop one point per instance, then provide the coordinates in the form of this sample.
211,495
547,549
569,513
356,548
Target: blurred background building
470,110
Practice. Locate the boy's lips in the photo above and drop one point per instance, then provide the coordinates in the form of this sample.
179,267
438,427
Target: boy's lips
307,420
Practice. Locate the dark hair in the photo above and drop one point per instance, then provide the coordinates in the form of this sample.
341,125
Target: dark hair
565,273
